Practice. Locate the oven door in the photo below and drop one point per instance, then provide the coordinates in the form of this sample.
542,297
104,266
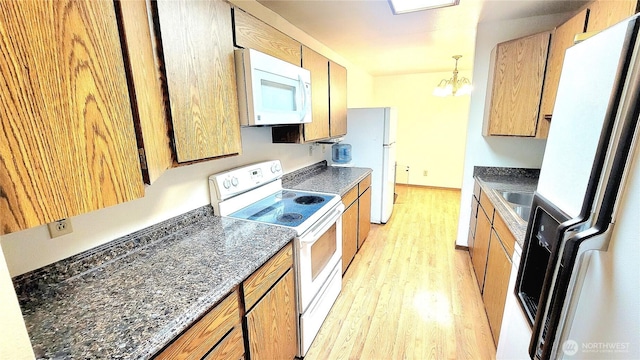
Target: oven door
318,251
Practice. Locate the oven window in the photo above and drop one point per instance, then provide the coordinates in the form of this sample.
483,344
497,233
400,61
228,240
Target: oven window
322,251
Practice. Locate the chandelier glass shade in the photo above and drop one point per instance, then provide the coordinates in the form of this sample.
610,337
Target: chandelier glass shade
455,86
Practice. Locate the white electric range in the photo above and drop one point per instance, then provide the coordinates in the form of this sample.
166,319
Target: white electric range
254,193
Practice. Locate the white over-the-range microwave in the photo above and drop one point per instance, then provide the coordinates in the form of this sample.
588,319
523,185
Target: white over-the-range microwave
271,91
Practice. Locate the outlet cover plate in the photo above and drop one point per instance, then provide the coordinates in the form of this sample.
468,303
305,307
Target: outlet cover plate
60,227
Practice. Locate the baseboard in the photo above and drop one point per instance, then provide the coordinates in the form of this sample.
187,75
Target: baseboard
427,187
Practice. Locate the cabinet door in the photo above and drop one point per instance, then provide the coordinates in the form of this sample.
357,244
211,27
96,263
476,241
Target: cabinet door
318,65
197,43
271,324
481,246
255,34
473,219
604,13
349,235
145,88
496,284
337,99
561,40
364,216
67,144
517,85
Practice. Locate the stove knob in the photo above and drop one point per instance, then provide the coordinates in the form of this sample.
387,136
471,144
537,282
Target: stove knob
234,181
275,168
226,183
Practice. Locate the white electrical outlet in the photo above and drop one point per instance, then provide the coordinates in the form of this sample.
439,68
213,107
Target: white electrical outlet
59,228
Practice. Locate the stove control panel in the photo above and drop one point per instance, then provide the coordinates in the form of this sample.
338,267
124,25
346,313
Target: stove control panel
240,180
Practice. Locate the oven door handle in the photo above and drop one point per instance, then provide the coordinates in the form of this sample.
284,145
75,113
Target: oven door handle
322,225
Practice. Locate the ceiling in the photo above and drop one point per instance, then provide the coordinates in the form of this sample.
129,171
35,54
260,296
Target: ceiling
366,33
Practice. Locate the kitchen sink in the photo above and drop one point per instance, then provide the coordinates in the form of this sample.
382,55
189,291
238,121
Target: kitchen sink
518,198
519,202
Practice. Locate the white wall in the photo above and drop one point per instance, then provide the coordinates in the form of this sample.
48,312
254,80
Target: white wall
431,130
14,341
496,151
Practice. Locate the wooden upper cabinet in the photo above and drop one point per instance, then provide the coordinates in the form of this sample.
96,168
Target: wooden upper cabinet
337,99
145,88
561,40
67,141
197,47
604,13
518,75
318,65
252,33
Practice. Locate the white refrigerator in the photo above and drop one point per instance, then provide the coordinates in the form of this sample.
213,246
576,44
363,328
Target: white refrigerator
372,135
578,281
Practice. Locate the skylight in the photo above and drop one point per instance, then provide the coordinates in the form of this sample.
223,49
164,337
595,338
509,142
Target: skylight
406,6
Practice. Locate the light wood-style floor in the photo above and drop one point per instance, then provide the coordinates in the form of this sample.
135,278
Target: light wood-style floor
409,294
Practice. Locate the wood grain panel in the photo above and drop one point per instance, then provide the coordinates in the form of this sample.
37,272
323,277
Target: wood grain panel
271,325
561,40
350,196
409,294
337,99
200,338
476,189
318,65
364,184
473,219
67,142
255,34
487,206
604,13
198,56
145,88
349,235
231,347
260,281
481,247
364,216
496,285
517,85
506,237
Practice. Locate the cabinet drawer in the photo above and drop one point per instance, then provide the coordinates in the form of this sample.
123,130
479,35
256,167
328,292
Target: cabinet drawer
507,239
364,185
486,205
231,347
350,197
261,280
204,334
476,190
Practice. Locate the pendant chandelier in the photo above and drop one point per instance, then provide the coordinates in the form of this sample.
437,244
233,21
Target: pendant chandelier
456,86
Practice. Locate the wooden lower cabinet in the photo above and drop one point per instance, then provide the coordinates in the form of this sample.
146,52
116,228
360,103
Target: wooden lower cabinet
349,235
210,335
364,217
271,314
481,246
271,324
496,284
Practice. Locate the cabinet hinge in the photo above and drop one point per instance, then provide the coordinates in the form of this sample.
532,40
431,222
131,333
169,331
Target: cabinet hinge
143,158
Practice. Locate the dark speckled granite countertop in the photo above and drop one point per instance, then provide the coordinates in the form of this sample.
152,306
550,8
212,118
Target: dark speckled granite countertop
129,298
493,180
323,178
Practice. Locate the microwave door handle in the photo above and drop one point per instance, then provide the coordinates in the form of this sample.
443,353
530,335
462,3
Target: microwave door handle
304,106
